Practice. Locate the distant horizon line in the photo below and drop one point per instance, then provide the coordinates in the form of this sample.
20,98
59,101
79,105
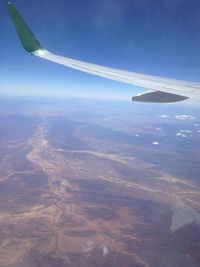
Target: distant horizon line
62,97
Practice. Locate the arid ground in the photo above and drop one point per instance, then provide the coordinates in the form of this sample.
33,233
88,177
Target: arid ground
93,183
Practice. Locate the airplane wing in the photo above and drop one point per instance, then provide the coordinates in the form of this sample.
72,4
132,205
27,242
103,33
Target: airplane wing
160,90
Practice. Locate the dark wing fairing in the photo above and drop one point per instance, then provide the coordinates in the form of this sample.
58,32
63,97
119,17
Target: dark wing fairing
159,97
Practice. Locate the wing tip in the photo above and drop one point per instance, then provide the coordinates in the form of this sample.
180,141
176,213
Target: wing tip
27,38
7,4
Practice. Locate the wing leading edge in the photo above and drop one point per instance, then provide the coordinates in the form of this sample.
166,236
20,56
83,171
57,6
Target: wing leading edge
164,90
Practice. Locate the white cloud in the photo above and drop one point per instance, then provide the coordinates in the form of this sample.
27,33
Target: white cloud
165,116
186,131
184,117
181,135
155,143
158,129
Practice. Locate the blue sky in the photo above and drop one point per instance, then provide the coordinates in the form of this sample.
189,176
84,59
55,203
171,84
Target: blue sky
159,37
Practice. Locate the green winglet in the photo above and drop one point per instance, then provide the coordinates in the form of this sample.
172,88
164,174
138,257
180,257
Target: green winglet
27,38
